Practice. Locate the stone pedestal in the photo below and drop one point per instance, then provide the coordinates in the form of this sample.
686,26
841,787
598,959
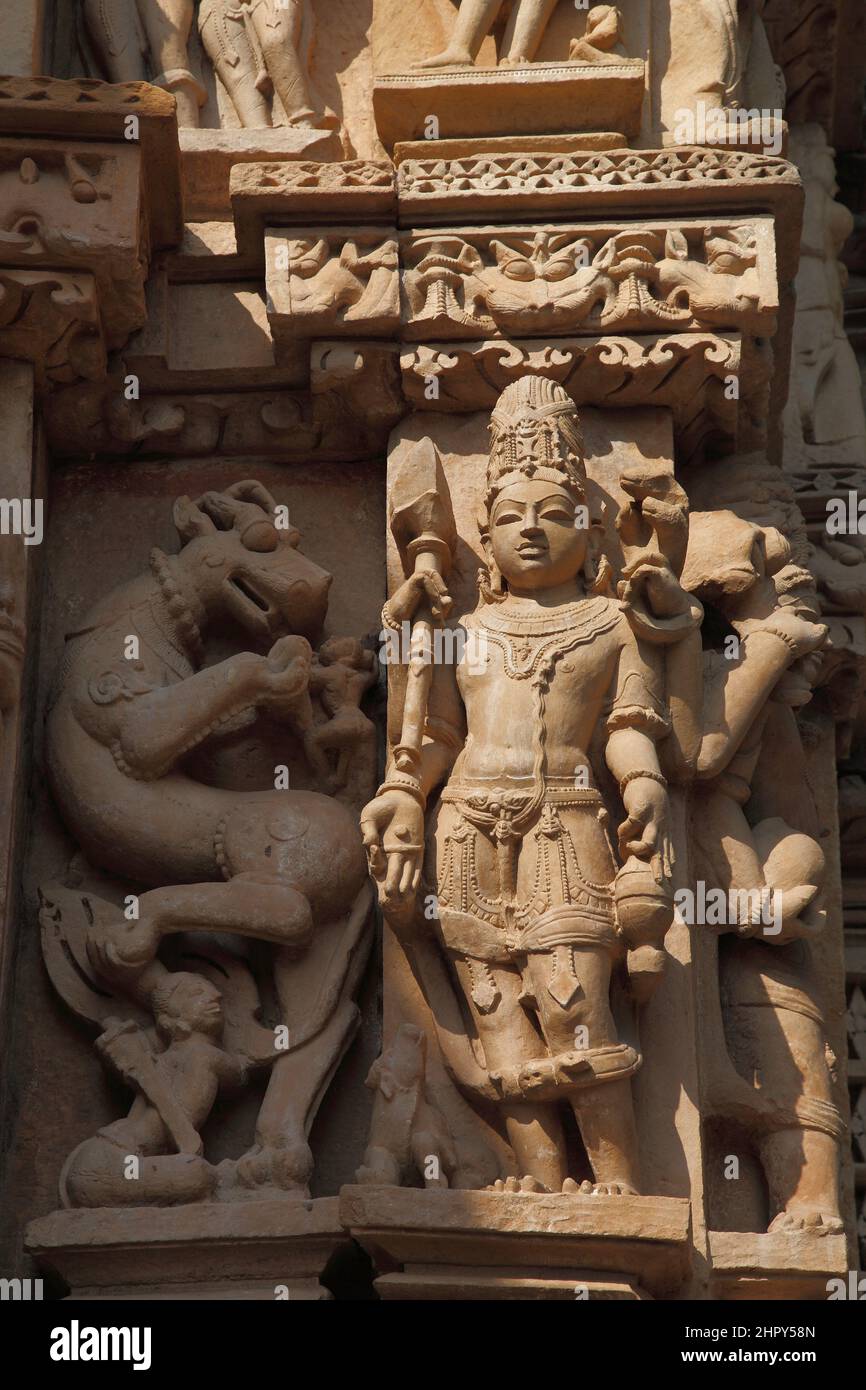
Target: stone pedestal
265,1250
544,98
476,1245
775,1267
208,157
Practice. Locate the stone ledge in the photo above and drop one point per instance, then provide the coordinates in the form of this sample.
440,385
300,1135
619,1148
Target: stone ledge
571,1239
543,98
86,109
244,1249
208,157
359,191
775,1266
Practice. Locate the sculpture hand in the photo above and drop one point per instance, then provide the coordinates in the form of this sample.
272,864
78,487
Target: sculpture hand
285,675
424,585
393,830
803,634
646,831
123,949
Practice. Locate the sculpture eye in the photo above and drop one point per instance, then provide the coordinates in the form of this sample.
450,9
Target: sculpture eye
560,269
519,269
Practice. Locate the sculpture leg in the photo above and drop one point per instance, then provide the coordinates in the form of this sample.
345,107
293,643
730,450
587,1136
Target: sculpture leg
526,27
508,1038
281,1156
474,22
167,24
246,906
604,1111
802,1170
278,33
235,63
114,32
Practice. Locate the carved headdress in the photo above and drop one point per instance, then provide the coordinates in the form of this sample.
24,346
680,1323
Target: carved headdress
535,433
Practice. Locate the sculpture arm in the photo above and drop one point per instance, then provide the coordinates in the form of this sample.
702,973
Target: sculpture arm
158,728
734,696
444,730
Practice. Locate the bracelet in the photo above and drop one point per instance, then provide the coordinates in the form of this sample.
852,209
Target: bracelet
633,777
389,621
782,636
396,784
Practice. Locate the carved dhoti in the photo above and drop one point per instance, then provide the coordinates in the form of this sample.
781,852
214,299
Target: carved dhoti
524,883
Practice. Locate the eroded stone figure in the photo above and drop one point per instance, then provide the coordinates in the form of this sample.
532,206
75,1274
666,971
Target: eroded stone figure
125,32
261,49
135,747
720,60
536,914
525,29
779,1086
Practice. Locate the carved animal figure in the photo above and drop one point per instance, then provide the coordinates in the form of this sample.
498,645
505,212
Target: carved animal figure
405,1132
132,702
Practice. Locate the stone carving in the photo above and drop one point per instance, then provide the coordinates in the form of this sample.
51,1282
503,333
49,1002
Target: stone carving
684,372
332,282
52,319
825,421
126,33
526,25
720,60
803,38
778,1083
533,911
262,49
137,759
406,1131
562,279
54,215
563,181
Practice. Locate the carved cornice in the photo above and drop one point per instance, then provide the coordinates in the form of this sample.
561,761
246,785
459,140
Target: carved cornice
685,373
85,110
77,209
356,191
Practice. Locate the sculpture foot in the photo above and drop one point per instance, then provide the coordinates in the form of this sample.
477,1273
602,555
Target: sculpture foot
812,1219
525,1184
599,1189
267,1169
450,58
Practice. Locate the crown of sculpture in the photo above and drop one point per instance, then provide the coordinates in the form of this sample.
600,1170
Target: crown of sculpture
535,433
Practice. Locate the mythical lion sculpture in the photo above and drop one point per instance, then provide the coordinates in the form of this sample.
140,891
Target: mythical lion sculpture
133,704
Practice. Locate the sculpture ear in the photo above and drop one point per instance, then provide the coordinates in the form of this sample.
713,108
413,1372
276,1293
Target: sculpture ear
676,246
190,520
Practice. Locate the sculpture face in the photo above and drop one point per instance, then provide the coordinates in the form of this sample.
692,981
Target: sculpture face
197,1004
269,593
533,538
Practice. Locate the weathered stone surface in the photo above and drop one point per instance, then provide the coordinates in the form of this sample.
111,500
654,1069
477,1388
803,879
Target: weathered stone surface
542,324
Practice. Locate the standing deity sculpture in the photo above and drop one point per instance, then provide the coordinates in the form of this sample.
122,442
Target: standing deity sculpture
720,62
261,49
537,917
125,32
